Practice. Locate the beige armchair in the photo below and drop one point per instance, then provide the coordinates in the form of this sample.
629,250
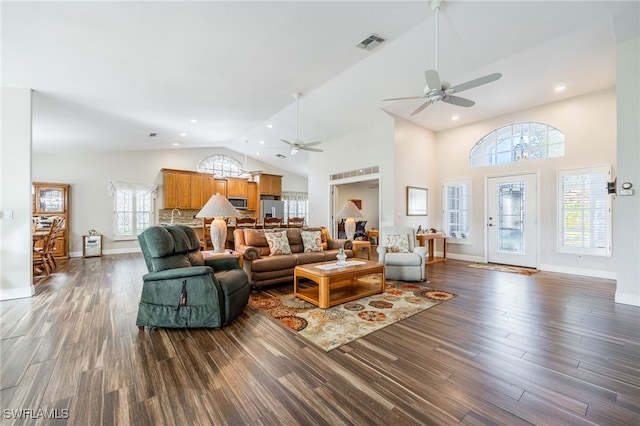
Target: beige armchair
403,259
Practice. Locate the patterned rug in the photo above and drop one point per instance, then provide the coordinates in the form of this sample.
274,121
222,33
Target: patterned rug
504,268
341,324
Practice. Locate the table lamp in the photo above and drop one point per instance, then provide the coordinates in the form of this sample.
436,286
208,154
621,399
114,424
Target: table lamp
349,211
218,207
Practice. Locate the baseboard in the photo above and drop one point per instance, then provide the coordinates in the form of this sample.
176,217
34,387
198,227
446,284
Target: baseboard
110,251
595,273
17,293
627,299
465,257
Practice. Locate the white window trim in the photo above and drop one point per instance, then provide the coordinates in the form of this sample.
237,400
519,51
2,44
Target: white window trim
445,184
137,190
605,251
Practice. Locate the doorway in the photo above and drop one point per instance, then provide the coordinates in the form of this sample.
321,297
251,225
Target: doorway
512,217
365,193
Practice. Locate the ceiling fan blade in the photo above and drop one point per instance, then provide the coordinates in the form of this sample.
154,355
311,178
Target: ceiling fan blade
402,99
312,149
312,143
457,100
287,142
421,107
433,79
475,83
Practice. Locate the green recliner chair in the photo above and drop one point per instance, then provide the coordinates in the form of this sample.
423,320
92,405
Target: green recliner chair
182,289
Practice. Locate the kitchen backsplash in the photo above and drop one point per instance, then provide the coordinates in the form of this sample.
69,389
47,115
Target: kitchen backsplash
186,217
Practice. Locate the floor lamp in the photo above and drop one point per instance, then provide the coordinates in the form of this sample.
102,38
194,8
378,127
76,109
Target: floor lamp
217,207
349,211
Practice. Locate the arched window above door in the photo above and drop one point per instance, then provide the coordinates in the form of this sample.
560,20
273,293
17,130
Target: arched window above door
517,142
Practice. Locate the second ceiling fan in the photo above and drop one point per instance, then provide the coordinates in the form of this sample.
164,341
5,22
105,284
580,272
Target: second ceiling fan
298,145
438,90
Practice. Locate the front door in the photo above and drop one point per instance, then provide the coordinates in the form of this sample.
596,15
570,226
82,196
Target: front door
512,216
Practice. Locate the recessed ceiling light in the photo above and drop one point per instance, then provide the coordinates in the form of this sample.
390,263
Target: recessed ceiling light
257,153
183,134
193,120
559,88
262,142
176,144
455,117
270,126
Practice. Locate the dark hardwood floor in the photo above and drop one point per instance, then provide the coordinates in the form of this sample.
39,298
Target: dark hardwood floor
546,349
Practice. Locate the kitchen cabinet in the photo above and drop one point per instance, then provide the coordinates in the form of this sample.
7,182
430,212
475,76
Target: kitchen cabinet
252,196
52,199
176,189
197,198
270,185
237,187
221,187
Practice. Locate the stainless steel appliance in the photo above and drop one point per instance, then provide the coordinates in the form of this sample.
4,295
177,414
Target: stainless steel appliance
239,203
272,208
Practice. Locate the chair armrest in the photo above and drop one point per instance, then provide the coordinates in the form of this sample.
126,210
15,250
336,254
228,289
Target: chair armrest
223,263
421,250
168,274
382,252
248,252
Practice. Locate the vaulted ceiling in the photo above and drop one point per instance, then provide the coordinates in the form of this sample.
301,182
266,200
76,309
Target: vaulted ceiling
107,74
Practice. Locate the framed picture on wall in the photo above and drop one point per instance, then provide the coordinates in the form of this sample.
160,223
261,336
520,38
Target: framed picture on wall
358,203
416,201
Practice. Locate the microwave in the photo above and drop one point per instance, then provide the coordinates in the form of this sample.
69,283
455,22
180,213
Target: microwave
238,202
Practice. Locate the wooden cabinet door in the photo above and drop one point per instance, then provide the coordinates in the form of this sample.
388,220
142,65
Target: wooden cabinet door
221,187
196,192
50,199
271,185
183,194
170,189
236,187
208,188
252,195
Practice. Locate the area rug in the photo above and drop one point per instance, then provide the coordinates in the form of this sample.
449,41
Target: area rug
341,324
504,268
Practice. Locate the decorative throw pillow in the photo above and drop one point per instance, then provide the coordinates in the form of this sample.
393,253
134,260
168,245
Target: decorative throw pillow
278,243
312,241
397,243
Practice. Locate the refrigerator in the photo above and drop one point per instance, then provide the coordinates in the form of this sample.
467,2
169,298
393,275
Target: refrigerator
272,208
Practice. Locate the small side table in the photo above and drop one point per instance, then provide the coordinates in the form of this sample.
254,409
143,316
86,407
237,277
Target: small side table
91,245
428,240
359,245
372,236
209,254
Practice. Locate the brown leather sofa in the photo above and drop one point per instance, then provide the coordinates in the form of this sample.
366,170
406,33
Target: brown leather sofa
264,269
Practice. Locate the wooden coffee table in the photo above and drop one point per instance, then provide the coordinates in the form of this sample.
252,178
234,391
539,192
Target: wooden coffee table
337,285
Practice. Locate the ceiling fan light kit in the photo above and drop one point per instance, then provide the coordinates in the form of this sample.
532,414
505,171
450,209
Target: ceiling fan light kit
298,145
438,90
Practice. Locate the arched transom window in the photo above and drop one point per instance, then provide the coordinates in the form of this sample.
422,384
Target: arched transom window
517,142
220,165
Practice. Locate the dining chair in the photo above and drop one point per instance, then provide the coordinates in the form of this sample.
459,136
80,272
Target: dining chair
272,222
246,222
295,222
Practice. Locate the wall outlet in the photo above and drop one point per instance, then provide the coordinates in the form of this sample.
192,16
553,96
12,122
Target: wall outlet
625,192
7,214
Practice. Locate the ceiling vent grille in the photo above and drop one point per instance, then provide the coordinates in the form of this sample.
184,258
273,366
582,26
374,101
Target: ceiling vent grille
365,171
370,42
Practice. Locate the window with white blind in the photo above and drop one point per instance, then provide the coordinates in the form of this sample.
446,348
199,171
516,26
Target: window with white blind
457,209
296,204
133,206
584,216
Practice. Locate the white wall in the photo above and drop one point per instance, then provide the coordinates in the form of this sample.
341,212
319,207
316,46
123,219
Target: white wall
373,146
15,195
90,173
589,125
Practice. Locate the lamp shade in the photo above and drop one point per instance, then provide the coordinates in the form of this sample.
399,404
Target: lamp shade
349,210
217,206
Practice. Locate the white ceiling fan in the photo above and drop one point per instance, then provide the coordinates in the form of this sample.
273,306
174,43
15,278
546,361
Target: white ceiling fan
298,144
437,90
246,172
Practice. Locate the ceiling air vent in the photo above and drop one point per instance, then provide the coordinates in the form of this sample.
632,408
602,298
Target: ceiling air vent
280,156
153,134
370,42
